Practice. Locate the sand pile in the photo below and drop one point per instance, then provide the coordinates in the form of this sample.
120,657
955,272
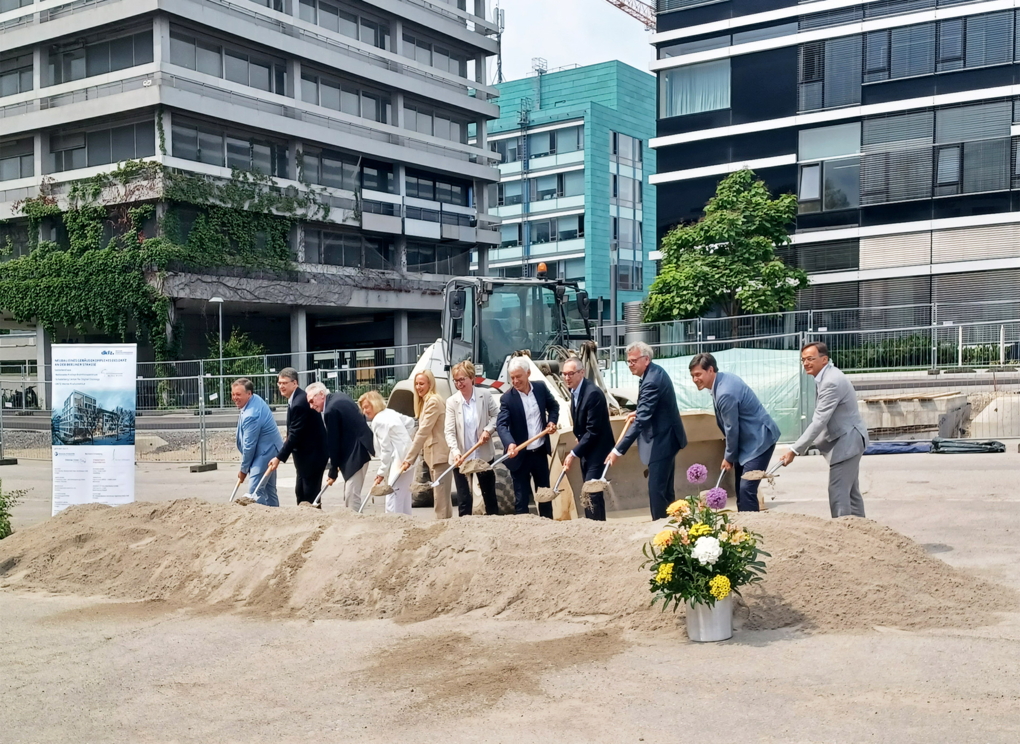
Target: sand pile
825,575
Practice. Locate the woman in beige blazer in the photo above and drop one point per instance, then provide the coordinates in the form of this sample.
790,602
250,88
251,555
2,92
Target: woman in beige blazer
430,441
479,408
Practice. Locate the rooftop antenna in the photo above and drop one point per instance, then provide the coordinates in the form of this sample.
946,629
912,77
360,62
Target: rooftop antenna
541,66
500,26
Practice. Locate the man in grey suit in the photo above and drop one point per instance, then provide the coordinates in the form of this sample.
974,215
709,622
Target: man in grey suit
750,432
655,426
838,430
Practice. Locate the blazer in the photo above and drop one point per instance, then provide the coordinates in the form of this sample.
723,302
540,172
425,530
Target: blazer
486,409
512,422
592,428
430,441
835,421
306,434
348,438
391,433
743,420
657,429
257,437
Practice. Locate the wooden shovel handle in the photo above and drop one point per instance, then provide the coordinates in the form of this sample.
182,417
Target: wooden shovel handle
465,456
524,445
623,432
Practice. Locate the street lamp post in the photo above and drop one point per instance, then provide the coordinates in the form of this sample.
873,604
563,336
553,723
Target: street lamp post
219,301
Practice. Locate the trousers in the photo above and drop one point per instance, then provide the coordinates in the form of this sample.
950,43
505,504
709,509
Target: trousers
441,499
267,495
309,481
354,487
465,498
660,485
747,490
592,469
844,488
533,466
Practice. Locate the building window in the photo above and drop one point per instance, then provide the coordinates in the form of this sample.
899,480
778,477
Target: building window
435,55
102,146
346,98
355,250
509,193
331,17
235,65
100,57
429,186
17,159
695,88
206,145
15,75
6,5
426,121
625,149
378,177
556,229
438,258
276,5
834,183
830,73
626,191
510,235
330,168
14,242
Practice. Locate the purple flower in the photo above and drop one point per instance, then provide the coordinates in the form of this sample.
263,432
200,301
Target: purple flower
716,498
697,473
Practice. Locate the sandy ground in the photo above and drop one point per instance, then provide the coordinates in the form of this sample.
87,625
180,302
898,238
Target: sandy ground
94,670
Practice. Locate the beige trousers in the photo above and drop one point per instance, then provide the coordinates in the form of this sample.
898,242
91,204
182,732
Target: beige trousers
441,493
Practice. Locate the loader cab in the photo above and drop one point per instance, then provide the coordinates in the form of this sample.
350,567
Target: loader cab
486,319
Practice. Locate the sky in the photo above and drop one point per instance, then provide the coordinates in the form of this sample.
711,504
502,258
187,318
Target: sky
567,32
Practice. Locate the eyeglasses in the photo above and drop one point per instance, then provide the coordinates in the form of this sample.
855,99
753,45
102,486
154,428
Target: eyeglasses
632,362
461,379
571,374
805,360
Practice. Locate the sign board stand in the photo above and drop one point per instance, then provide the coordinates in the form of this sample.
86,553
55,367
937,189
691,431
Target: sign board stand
93,424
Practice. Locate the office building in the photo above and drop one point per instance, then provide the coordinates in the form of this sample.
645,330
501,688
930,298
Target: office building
366,102
573,190
893,122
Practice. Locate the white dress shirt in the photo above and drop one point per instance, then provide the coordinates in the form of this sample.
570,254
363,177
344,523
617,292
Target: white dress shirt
469,409
534,416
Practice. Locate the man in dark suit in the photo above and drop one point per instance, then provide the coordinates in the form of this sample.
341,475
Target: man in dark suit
656,426
589,411
348,440
525,411
306,438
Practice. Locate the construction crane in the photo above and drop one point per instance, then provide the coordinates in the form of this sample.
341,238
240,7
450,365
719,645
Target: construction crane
644,12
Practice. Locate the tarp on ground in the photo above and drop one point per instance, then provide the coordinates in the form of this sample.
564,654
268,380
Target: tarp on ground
774,375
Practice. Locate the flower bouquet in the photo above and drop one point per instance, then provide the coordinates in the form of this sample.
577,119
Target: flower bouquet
701,558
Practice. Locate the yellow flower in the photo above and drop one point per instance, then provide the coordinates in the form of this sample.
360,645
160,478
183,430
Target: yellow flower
664,574
663,539
719,586
679,509
738,536
698,530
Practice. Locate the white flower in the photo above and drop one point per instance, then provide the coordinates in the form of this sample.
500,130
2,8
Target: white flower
707,550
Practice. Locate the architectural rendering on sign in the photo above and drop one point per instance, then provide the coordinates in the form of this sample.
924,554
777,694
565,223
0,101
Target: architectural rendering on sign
893,122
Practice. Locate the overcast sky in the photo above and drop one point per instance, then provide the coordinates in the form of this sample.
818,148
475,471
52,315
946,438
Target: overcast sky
568,32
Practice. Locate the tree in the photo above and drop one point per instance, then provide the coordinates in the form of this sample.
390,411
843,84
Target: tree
727,259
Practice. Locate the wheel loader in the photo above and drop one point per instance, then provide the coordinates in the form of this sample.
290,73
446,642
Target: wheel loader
490,320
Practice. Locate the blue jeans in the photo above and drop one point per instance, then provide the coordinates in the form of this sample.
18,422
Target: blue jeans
747,490
267,495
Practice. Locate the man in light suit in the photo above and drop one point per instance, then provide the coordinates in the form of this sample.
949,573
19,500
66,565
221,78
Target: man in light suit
589,411
306,438
837,429
750,432
526,410
258,440
349,441
656,426
471,418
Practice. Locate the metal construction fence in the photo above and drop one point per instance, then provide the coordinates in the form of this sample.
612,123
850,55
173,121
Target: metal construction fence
959,380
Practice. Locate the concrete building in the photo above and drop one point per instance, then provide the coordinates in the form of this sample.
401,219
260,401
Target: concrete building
366,101
895,123
573,189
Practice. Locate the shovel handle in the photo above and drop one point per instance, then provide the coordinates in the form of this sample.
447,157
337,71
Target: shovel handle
522,446
317,498
262,480
442,475
623,432
559,480
234,492
721,474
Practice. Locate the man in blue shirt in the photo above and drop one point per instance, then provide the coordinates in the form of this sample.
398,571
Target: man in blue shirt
258,440
750,432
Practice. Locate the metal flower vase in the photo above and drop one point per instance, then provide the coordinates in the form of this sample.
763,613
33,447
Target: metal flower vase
706,624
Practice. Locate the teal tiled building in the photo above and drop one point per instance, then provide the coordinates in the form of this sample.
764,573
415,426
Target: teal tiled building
573,189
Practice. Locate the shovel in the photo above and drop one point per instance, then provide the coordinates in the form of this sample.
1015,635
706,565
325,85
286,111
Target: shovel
762,475
523,446
263,479
600,484
234,492
319,497
383,489
478,468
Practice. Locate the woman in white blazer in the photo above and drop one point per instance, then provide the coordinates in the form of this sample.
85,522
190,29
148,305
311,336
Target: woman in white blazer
392,432
471,417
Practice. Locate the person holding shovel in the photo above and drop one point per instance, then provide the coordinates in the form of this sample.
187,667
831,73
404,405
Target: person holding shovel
306,438
430,441
527,411
392,433
348,440
258,440
589,411
471,419
656,428
750,432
